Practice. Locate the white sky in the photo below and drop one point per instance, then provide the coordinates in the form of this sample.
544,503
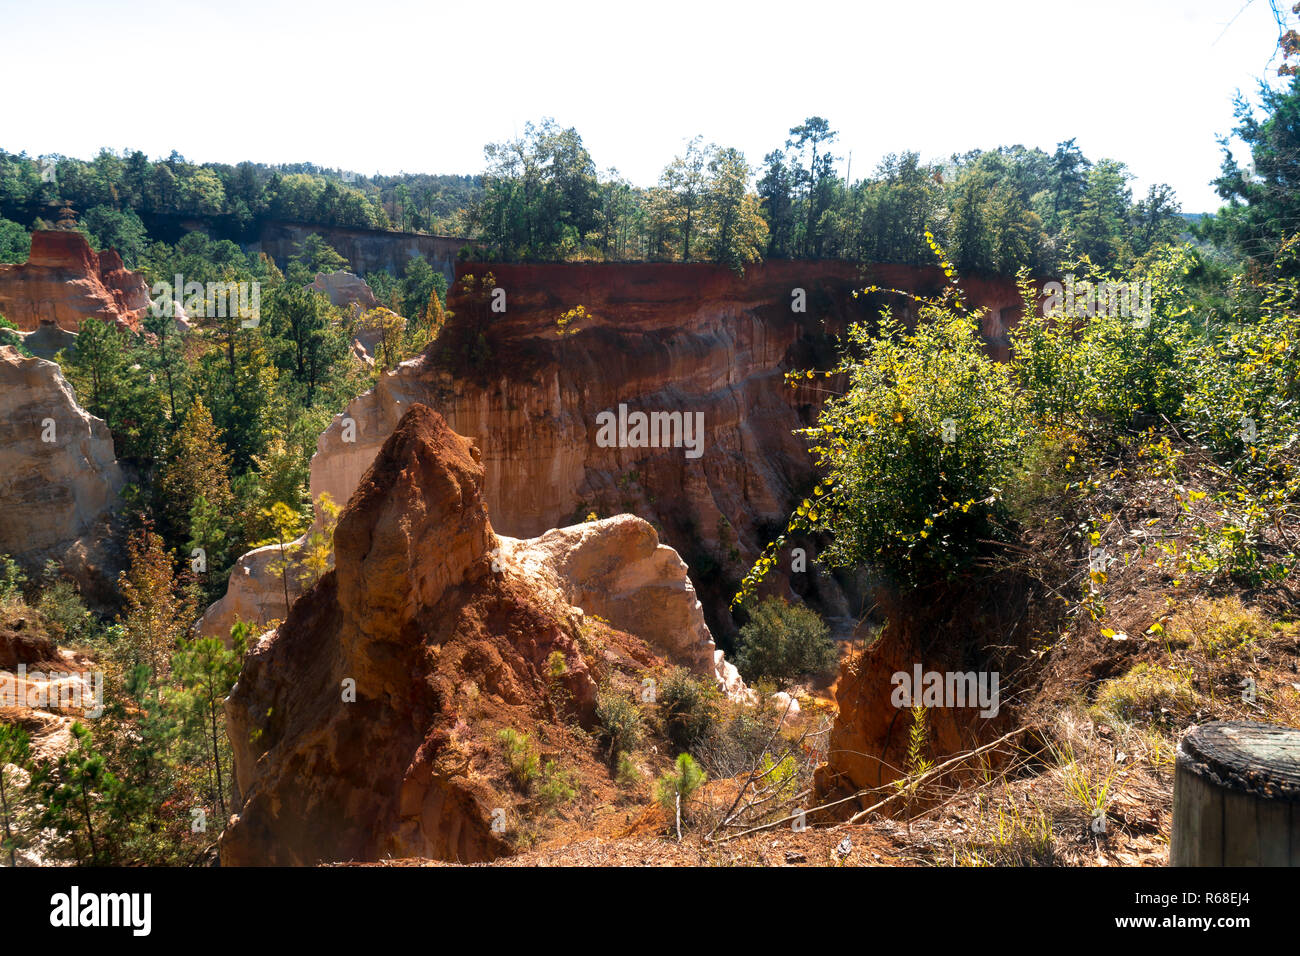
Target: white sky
387,86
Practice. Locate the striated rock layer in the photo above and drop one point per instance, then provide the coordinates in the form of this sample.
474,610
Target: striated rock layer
694,339
663,337
442,634
60,482
65,281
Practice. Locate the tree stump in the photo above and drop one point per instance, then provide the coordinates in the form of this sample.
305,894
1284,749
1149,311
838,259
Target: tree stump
1237,796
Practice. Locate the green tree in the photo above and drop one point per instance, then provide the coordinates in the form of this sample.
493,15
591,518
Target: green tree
1263,199
782,642
207,670
98,368
776,190
306,323
737,231
814,176
1100,227
683,183
76,797
16,777
314,255
197,467
15,241
111,228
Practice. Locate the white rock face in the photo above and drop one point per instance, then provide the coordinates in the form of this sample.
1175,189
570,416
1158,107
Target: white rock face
617,569
254,594
59,480
344,288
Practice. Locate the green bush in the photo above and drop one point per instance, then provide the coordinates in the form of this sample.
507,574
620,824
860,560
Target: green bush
688,707
521,758
12,580
782,642
914,454
60,603
1102,373
620,722
10,335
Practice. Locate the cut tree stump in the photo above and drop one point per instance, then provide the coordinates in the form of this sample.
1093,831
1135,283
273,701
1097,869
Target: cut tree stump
1237,796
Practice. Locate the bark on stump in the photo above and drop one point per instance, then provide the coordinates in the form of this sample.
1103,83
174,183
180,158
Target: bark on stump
1237,796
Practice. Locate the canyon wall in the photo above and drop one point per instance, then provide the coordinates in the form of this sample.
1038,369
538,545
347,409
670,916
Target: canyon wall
65,281
367,250
60,483
698,340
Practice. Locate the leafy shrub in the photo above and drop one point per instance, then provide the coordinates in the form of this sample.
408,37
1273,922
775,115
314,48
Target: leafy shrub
782,642
12,580
688,707
620,722
11,336
914,454
60,603
1097,372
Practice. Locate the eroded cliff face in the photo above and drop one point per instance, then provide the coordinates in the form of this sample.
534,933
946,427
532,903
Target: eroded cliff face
60,483
64,281
971,648
441,636
697,340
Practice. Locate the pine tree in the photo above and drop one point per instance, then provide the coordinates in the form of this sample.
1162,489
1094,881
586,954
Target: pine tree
207,670
75,796
197,467
159,610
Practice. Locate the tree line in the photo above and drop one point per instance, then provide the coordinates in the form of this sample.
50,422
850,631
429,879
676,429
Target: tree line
116,195
543,198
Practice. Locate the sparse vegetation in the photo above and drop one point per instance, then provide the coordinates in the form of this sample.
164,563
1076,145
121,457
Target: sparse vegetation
520,756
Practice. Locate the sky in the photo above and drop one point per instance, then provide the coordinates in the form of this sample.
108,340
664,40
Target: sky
381,86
